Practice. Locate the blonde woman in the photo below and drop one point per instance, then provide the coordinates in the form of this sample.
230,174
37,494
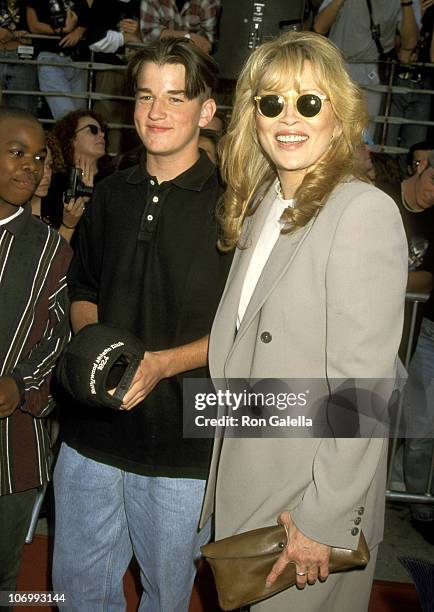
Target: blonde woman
316,291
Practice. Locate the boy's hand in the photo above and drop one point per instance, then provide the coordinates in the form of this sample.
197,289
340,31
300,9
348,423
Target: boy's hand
9,396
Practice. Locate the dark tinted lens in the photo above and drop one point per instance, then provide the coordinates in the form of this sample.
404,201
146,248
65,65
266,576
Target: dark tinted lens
271,106
309,105
93,129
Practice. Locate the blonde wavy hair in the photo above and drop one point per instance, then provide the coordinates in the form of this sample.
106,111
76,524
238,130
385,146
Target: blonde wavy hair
247,171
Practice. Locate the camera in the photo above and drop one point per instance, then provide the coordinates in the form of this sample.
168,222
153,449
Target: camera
375,31
57,13
5,17
76,188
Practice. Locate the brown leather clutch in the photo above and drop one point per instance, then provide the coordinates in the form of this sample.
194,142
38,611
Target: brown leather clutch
241,563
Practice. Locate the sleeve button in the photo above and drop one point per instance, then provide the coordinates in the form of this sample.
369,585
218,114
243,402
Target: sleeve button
354,531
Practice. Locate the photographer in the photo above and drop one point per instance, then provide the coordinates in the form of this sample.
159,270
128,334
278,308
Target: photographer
365,32
414,104
67,19
78,155
113,24
13,26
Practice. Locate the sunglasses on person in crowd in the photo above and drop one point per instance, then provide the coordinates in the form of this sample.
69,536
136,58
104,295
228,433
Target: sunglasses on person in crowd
94,129
273,105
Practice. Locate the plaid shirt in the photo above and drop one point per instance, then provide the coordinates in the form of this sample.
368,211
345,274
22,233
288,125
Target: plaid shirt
197,17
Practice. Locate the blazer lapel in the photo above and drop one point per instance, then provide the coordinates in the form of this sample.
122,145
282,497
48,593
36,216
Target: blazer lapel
281,258
225,322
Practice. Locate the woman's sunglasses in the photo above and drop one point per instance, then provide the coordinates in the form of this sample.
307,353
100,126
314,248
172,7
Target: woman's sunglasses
94,129
272,105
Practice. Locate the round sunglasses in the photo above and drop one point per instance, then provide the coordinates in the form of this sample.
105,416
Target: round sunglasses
273,105
94,129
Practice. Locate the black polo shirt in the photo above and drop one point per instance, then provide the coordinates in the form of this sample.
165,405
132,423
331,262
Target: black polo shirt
147,256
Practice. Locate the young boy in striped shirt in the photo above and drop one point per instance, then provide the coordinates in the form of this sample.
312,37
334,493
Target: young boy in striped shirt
34,327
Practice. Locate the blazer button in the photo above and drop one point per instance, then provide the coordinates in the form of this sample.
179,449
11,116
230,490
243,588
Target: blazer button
354,531
361,510
266,337
357,521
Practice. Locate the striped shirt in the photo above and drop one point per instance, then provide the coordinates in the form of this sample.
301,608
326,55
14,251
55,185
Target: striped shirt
34,328
196,17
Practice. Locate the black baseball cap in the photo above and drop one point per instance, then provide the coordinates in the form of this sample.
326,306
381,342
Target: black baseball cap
98,359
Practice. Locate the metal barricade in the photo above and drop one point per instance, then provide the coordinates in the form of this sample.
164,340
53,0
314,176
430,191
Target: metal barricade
415,299
91,96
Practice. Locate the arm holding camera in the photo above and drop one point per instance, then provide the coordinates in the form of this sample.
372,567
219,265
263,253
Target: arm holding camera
78,192
39,27
88,168
72,213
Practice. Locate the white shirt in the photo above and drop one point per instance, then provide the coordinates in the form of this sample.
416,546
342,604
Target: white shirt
4,221
267,239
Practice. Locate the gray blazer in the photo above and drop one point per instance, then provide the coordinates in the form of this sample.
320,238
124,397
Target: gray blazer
330,299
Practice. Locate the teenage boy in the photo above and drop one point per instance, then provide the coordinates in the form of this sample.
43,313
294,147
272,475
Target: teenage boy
146,261
34,328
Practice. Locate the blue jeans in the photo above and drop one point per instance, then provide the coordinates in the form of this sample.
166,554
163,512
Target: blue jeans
412,105
18,77
64,78
104,515
419,415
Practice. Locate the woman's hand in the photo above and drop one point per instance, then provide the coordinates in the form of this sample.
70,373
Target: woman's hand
88,170
72,212
311,558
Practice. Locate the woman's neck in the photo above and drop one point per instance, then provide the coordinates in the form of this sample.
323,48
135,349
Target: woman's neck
80,160
290,181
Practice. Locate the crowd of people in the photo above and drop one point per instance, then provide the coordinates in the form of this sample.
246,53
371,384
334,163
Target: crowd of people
277,246
370,35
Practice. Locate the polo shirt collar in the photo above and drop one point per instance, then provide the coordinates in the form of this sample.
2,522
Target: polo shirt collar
193,179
